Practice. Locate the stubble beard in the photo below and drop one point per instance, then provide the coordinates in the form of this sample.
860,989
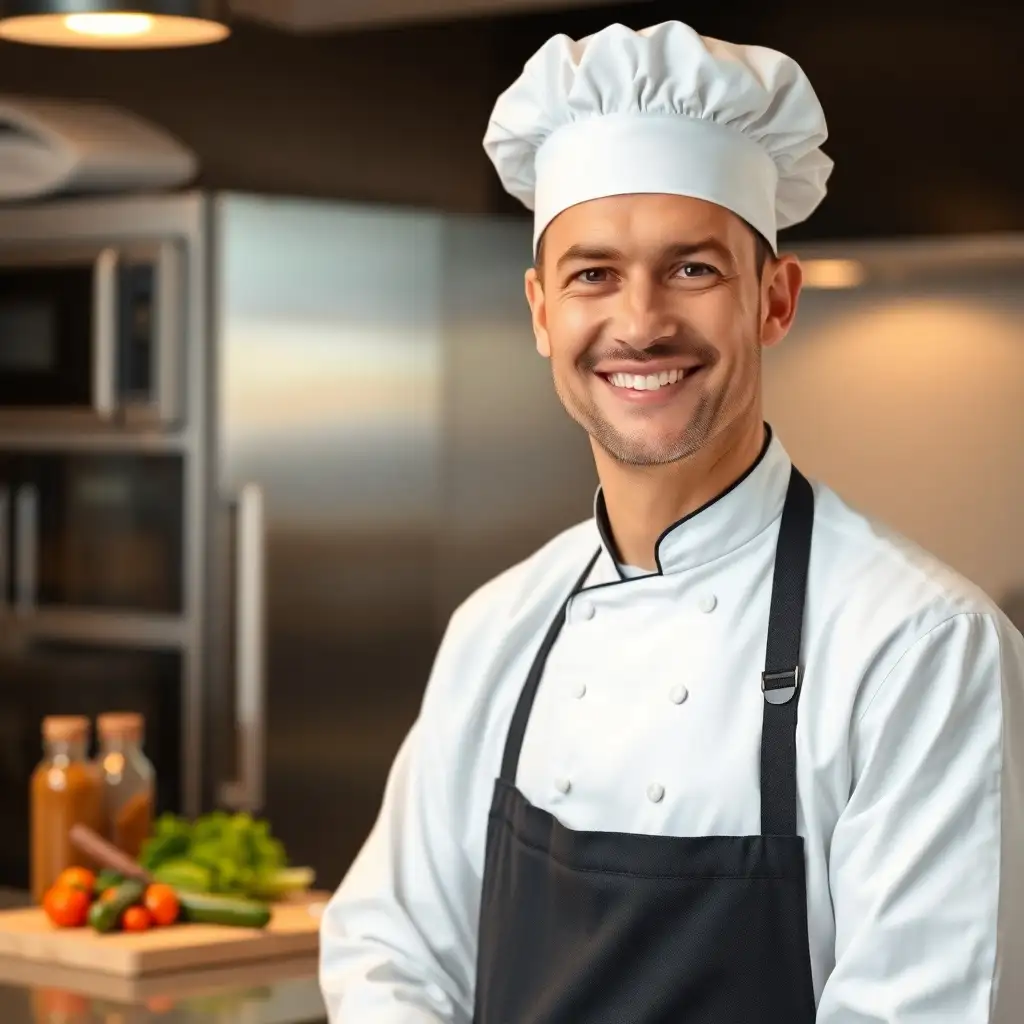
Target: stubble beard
714,411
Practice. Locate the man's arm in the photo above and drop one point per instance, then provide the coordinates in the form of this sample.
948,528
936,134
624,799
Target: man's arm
926,855
398,939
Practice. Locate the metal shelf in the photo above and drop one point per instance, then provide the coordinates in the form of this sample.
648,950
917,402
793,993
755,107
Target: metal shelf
79,625
67,441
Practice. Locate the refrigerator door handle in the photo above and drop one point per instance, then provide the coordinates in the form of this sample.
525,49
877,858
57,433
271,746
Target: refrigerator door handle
245,793
26,548
105,332
5,547
169,358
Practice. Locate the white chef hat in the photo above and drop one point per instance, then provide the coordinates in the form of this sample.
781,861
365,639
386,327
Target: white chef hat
661,110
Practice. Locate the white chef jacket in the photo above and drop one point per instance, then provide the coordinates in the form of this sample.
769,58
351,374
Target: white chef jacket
910,759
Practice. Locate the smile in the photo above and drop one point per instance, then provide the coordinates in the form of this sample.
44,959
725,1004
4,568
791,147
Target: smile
650,381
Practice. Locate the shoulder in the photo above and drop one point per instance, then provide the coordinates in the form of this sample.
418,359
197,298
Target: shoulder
866,560
510,605
882,595
556,564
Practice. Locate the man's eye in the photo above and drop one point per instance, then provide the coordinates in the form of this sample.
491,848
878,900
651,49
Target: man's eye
690,270
592,275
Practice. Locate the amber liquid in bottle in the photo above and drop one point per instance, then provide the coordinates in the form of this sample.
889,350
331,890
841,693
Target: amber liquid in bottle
65,791
129,782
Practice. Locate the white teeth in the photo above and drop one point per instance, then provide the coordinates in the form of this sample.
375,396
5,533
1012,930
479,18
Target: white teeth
651,382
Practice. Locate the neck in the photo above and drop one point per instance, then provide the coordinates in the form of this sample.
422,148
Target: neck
643,501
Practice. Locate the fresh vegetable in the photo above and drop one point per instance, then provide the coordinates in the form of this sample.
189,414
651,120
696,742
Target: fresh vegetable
227,910
221,853
136,919
170,840
76,878
105,914
107,880
278,884
162,903
183,874
66,906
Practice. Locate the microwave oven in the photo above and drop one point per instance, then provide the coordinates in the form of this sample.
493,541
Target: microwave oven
90,334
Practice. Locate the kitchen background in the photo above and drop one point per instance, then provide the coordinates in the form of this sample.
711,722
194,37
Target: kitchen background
354,430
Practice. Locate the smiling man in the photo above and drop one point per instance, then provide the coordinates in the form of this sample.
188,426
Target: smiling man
609,810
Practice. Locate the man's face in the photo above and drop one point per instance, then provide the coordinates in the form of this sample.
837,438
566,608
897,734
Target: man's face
653,313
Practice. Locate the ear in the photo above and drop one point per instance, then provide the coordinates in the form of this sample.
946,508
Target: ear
780,293
538,312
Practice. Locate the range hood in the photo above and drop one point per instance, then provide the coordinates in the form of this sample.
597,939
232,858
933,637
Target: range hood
335,15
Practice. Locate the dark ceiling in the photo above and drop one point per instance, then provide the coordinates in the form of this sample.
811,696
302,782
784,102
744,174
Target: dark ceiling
922,107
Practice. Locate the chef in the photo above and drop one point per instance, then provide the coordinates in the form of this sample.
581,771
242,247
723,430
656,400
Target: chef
729,752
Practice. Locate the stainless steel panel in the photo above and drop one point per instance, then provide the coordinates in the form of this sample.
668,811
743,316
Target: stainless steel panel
328,385
516,469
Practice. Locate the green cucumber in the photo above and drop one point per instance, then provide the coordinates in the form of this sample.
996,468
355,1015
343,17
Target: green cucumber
105,914
200,908
107,880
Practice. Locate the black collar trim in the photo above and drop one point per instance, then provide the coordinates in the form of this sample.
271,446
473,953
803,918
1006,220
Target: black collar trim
604,527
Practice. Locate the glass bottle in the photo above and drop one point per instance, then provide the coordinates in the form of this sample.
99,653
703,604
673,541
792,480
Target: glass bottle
129,781
65,791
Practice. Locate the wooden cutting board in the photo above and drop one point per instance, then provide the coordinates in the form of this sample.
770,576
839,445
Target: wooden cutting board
293,930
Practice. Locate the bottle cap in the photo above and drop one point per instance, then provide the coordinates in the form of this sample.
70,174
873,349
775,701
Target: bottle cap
65,728
124,725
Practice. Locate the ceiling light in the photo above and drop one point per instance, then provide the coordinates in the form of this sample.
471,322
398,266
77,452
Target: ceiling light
112,24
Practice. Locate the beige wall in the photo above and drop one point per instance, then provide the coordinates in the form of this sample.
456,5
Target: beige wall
908,399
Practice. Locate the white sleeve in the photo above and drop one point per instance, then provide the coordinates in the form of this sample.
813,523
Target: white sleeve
398,938
927,854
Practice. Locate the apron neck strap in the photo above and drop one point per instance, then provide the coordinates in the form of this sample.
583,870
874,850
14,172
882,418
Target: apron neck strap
517,728
780,681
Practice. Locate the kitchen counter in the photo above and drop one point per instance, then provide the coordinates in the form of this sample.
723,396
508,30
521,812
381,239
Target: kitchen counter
279,992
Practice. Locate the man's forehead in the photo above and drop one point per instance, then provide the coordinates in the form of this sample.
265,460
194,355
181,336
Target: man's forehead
642,221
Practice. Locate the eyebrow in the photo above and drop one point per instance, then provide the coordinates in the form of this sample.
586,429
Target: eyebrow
676,251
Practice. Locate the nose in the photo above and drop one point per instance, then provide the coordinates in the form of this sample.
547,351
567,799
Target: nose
641,318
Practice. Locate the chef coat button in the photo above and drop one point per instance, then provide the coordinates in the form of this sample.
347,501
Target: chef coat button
563,785
579,690
585,610
655,792
707,603
678,694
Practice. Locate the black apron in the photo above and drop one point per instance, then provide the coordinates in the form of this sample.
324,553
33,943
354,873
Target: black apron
612,928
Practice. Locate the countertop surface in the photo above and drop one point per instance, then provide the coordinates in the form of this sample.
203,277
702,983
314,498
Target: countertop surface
281,992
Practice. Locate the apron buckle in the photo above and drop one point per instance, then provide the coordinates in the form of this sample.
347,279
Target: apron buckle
780,687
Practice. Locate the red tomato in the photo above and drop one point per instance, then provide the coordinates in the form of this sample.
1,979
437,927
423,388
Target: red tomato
66,907
162,903
136,919
77,878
